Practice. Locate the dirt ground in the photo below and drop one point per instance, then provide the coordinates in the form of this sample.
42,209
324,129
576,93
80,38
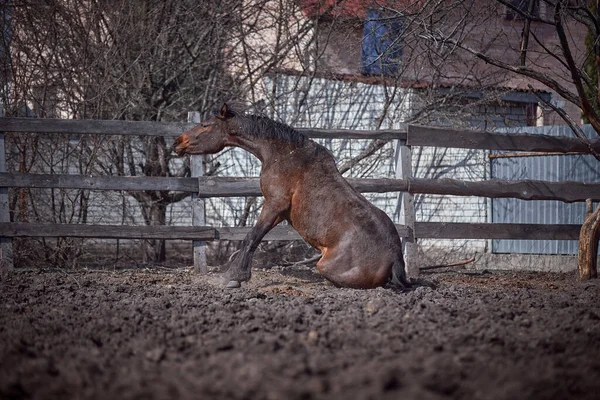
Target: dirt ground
174,334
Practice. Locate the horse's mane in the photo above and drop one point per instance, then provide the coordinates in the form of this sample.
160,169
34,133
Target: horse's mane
260,126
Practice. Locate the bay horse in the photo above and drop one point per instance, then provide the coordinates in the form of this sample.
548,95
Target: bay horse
301,184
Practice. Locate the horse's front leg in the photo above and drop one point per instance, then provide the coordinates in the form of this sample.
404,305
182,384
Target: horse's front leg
268,218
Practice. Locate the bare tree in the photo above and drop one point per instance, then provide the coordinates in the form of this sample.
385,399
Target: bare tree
158,60
134,60
537,49
120,60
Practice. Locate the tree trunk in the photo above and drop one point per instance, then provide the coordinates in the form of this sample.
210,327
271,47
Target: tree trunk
588,246
155,249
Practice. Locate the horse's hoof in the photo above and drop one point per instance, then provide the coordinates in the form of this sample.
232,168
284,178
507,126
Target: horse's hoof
233,285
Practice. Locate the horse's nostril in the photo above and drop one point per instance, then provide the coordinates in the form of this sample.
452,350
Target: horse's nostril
180,140
180,144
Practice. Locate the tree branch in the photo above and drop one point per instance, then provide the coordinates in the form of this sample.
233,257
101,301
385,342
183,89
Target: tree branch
531,73
574,127
588,110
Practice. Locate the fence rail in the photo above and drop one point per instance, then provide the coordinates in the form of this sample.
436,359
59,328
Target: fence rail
206,187
167,129
13,229
414,135
442,137
439,230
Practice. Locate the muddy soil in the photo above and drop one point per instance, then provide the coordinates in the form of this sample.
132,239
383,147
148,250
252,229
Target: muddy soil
173,334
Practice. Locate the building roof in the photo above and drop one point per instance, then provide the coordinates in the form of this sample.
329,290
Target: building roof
351,8
519,94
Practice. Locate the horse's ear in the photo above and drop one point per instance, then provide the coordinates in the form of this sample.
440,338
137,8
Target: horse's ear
224,113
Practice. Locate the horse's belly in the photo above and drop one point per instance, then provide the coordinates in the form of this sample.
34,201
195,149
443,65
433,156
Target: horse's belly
313,235
314,224
342,218
321,223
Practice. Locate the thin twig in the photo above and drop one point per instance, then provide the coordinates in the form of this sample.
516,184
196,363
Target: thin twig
535,154
456,264
69,276
574,127
306,261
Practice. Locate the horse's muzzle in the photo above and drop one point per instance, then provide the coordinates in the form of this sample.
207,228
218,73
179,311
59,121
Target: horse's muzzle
180,145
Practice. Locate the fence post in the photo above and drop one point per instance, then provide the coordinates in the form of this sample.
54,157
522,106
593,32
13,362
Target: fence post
406,214
198,207
6,254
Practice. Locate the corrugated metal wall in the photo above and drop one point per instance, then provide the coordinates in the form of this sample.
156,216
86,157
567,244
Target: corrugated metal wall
581,168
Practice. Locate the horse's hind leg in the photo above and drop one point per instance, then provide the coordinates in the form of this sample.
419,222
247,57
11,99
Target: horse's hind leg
341,269
348,278
240,270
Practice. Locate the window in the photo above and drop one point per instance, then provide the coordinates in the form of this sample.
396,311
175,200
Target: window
381,45
533,115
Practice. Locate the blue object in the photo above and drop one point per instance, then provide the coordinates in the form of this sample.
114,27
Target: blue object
381,44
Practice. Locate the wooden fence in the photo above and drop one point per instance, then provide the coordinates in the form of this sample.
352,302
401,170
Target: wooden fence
205,187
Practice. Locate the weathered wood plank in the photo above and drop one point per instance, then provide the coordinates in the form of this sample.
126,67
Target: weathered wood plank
98,127
444,137
99,182
416,136
526,190
208,186
443,230
150,128
280,232
380,185
407,210
239,187
495,188
213,186
6,250
388,134
438,230
198,205
234,187
13,229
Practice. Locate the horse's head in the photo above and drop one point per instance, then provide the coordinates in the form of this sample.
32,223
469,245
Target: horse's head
210,137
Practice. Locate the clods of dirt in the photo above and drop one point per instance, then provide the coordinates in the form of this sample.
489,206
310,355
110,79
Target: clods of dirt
288,334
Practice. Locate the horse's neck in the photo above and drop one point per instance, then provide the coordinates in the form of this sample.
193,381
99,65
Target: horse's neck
267,151
251,146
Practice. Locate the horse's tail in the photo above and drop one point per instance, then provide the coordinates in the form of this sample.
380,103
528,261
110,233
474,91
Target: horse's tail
398,277
399,280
